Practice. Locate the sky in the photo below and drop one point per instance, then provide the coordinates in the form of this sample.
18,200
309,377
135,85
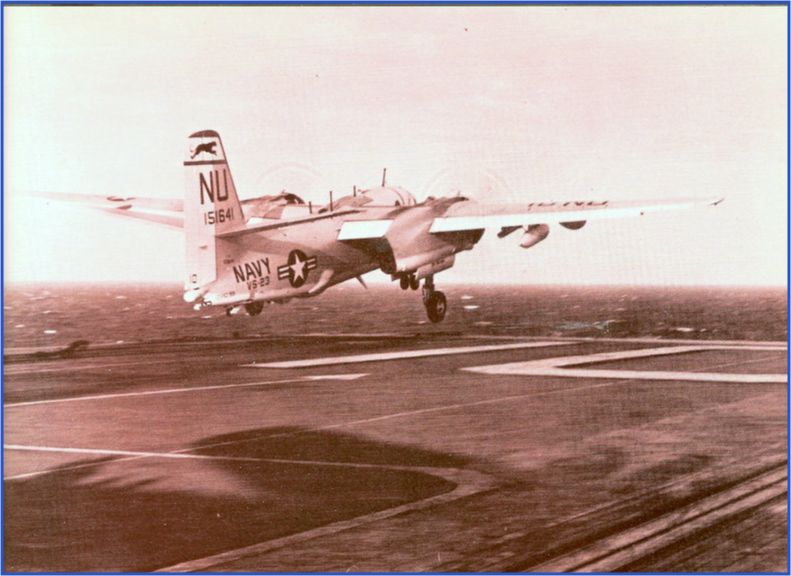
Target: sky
508,103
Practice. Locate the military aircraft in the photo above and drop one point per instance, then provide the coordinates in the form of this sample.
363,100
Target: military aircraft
242,254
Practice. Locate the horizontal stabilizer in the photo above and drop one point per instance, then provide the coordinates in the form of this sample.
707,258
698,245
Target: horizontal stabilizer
164,218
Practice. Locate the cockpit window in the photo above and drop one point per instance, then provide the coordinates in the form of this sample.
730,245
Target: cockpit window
291,198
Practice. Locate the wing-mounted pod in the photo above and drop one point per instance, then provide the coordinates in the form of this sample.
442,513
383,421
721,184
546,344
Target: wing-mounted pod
534,234
506,230
573,225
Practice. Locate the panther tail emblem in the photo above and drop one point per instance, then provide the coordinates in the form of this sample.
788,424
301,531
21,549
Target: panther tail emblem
205,147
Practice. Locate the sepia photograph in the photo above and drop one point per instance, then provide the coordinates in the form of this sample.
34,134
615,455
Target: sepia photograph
395,288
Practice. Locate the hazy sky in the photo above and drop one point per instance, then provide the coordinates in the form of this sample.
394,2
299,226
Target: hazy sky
503,103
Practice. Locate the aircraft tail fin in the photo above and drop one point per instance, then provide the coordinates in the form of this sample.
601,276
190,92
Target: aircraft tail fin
211,207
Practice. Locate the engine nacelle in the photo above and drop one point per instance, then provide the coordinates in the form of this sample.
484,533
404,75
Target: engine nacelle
534,234
435,267
416,261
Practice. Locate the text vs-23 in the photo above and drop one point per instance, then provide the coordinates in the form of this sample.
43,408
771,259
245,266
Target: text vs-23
257,283
214,216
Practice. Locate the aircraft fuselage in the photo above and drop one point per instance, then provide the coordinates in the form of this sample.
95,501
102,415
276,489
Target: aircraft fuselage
304,260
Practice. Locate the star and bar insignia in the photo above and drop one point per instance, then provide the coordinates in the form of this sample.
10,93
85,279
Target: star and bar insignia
297,268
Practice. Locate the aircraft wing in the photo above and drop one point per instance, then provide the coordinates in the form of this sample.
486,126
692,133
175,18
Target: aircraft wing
473,216
274,224
469,215
168,212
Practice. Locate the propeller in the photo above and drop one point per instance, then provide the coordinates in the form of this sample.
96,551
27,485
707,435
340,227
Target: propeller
483,184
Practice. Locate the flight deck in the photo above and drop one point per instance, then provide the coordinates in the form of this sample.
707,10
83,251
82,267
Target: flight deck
397,452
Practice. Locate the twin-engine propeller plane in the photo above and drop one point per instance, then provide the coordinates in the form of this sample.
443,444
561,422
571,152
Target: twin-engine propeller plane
243,254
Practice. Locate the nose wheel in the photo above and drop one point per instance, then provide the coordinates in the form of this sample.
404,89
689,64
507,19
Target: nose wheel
435,302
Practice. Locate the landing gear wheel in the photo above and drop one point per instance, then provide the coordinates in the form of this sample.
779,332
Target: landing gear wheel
254,308
436,307
414,283
404,282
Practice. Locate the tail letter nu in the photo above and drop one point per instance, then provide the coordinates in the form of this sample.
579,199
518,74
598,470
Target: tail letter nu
214,186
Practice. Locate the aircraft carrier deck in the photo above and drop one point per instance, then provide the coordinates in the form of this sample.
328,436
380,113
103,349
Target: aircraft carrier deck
403,453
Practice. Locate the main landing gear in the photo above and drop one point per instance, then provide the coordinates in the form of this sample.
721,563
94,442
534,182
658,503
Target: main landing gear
409,281
252,308
435,302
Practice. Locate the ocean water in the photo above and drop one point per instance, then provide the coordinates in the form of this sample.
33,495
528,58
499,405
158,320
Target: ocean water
37,316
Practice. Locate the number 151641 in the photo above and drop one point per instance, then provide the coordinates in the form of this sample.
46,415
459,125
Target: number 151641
215,216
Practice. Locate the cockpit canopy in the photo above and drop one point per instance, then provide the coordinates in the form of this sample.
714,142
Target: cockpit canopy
270,206
388,196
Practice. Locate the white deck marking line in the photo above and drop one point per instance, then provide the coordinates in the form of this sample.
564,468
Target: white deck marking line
148,393
28,368
311,362
187,456
741,363
131,455
557,367
769,344
780,345
190,389
70,468
454,407
395,415
96,451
